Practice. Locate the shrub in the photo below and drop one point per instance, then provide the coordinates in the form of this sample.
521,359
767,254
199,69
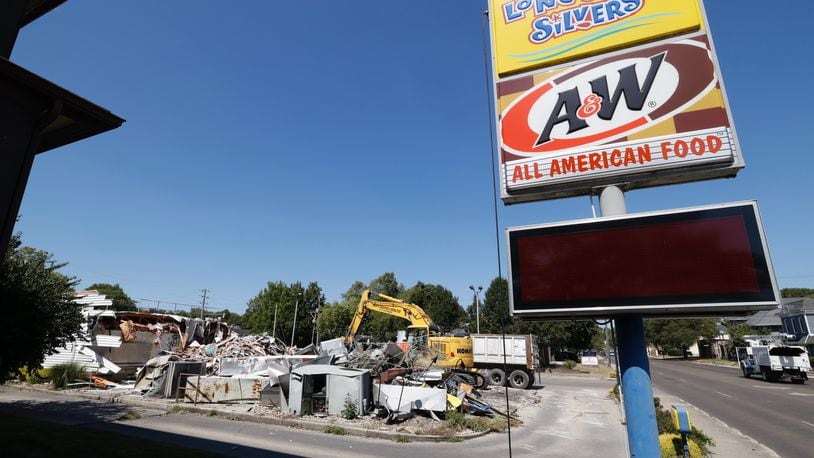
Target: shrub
32,376
672,447
177,409
569,364
338,430
614,392
350,411
612,374
674,352
456,419
403,439
63,374
664,419
130,416
703,441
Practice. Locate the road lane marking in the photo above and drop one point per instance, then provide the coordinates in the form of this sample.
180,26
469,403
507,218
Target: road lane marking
801,394
724,394
772,387
809,424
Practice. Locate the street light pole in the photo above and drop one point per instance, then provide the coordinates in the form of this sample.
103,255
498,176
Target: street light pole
477,305
274,326
294,327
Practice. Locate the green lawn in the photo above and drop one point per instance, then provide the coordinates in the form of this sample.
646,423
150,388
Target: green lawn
25,437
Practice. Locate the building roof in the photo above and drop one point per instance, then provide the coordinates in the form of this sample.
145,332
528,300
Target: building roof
798,305
765,318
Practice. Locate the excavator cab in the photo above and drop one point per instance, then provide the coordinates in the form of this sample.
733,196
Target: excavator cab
417,336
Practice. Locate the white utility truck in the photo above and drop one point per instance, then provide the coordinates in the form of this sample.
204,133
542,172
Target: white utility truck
770,357
522,358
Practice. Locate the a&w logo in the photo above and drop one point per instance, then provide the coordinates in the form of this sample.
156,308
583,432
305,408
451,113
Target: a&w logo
608,99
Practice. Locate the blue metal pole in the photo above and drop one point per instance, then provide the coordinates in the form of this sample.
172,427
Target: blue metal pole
637,390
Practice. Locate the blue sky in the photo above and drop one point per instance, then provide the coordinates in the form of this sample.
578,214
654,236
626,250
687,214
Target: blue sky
335,141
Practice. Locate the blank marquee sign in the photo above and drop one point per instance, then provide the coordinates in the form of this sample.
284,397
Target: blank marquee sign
697,261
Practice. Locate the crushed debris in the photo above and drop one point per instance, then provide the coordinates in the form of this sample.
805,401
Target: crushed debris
368,385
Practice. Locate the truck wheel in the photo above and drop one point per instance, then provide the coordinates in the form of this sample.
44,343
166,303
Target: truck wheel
497,377
745,372
765,374
532,378
519,379
481,382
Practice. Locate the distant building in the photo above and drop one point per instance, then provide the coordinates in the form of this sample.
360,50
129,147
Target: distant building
767,321
798,320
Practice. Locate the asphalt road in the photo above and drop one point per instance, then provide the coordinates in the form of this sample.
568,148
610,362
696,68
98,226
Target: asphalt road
778,415
573,417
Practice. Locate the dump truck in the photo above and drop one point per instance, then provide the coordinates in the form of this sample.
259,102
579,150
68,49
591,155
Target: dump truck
455,352
769,356
522,356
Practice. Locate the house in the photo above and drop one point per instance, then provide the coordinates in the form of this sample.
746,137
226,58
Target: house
798,320
119,343
768,321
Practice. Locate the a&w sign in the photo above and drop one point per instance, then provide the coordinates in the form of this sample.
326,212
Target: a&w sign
646,116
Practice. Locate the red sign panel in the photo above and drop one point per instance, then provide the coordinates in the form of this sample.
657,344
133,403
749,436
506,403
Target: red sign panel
696,262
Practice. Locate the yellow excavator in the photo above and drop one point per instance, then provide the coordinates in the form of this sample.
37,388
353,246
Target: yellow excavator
452,352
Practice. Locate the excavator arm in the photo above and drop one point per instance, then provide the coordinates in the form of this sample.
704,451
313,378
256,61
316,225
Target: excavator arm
417,317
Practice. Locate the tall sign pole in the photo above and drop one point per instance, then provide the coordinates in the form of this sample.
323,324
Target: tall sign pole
598,95
637,389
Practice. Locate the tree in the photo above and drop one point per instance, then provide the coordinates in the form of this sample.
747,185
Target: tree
386,284
572,335
235,319
677,333
38,307
494,310
354,293
737,332
797,292
259,316
121,301
334,319
439,303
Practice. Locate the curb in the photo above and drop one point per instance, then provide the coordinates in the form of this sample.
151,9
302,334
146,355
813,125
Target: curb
299,424
717,365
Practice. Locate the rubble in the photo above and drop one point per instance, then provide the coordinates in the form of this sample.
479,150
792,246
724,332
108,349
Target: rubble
117,344
203,361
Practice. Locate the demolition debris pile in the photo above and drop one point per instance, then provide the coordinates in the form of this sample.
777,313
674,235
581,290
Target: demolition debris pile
333,379
205,361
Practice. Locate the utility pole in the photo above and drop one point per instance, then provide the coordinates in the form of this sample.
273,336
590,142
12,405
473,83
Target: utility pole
274,326
203,301
477,305
314,318
294,326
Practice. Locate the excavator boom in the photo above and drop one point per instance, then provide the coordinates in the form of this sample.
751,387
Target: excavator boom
389,306
445,351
